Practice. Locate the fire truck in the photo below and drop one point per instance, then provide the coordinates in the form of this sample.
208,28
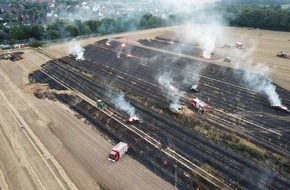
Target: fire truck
199,105
118,151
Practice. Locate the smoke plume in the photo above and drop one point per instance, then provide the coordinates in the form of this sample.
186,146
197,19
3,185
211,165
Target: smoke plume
119,101
173,95
256,76
259,82
76,50
205,36
191,74
108,42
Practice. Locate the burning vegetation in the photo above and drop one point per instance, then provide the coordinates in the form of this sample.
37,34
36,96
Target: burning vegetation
133,120
281,108
76,51
194,87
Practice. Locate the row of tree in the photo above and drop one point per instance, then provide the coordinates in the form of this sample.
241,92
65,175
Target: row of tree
257,2
63,28
244,16
255,16
23,11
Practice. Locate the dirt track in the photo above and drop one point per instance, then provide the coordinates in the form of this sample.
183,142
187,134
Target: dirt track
55,158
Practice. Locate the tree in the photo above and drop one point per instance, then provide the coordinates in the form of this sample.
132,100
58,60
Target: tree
93,24
36,32
16,32
79,25
12,41
60,26
150,21
144,22
72,30
53,34
3,36
35,44
107,26
87,30
272,17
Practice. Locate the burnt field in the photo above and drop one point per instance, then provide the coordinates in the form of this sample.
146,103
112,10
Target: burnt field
188,150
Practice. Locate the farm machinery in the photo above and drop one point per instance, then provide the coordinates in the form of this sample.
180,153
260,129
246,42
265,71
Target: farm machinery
283,54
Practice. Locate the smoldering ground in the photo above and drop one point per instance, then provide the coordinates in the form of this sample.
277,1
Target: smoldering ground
173,95
76,50
256,75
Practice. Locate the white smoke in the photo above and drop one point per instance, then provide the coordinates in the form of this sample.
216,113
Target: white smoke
256,76
173,95
201,27
128,49
124,48
119,101
208,43
205,35
256,79
120,49
191,74
108,42
76,50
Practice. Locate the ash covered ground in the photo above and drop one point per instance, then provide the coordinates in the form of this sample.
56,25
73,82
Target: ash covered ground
155,86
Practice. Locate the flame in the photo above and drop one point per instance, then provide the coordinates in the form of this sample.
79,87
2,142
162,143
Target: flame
123,45
134,118
172,89
207,56
129,55
108,44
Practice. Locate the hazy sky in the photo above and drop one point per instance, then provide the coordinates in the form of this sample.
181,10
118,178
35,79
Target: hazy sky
190,1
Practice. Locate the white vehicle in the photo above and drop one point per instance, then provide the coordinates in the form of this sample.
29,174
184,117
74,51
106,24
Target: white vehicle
239,45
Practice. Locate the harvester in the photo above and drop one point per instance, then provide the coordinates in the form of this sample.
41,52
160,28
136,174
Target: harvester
239,45
227,59
227,46
12,56
283,54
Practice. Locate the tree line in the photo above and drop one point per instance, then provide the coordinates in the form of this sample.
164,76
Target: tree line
256,16
61,28
257,2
